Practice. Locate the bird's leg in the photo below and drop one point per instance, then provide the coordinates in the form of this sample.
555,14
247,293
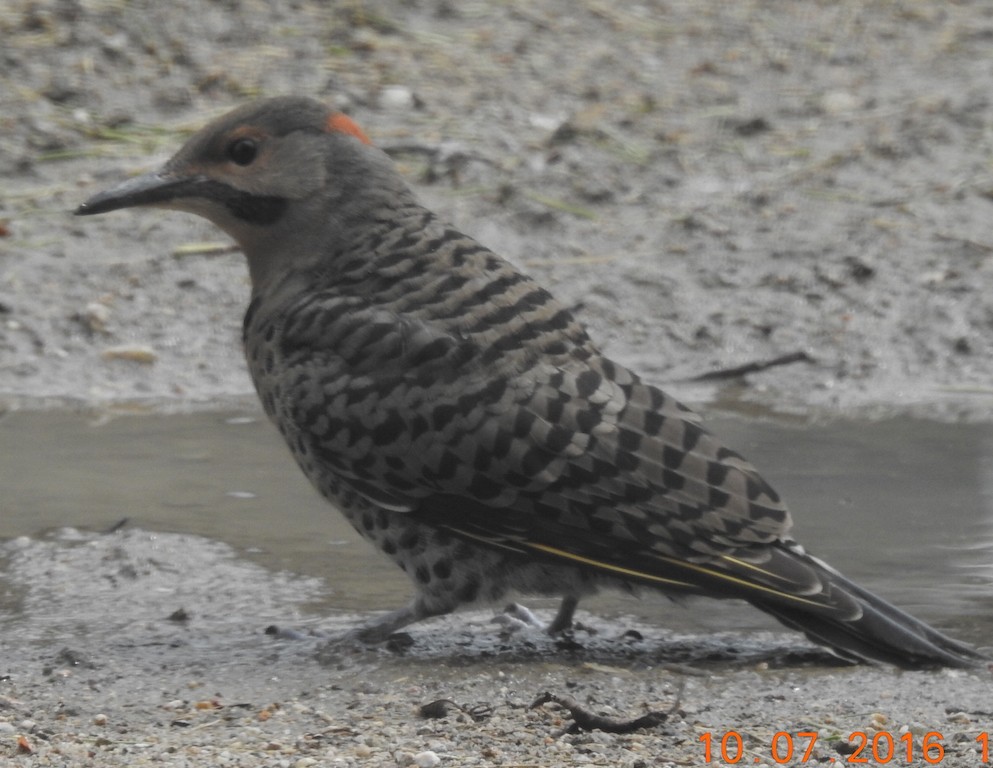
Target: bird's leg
381,627
563,619
378,630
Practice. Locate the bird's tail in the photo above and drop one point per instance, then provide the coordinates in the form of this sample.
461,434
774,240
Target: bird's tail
882,632
801,591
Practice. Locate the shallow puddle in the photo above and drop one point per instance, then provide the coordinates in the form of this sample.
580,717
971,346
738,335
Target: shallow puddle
903,506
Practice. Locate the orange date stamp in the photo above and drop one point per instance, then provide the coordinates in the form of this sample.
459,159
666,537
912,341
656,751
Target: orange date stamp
880,747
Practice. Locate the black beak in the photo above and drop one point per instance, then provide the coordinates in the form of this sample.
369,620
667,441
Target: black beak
149,189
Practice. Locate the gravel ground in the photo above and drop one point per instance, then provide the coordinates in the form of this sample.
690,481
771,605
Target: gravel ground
105,671
710,184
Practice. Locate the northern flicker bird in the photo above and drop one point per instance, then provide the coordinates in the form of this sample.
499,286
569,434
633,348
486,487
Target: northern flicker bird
462,419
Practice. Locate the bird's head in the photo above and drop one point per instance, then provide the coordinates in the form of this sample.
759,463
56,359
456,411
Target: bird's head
282,176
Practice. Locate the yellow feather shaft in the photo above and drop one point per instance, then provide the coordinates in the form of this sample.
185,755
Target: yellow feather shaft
608,566
741,582
673,582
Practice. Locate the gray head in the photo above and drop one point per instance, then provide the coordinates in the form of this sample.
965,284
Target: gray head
285,177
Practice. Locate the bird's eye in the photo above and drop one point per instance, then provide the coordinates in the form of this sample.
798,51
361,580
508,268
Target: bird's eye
242,151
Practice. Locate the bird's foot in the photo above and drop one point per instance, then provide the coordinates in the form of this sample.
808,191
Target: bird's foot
381,630
516,617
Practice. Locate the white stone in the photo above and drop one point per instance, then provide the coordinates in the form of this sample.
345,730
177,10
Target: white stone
397,97
426,759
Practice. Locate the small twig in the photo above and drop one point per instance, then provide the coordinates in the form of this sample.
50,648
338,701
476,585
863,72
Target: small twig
977,244
754,367
560,205
117,526
585,720
204,249
413,148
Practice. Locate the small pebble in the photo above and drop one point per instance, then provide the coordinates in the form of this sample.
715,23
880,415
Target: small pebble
397,97
100,719
96,315
426,759
836,102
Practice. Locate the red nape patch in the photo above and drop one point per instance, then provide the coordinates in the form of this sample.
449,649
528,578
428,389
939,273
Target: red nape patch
339,123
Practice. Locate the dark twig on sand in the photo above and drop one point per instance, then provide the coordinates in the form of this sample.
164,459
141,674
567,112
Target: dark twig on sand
753,367
585,720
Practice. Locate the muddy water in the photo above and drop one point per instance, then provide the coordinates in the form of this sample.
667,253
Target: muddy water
903,506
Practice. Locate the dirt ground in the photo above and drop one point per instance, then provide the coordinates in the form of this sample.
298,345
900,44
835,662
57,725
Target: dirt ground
711,184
